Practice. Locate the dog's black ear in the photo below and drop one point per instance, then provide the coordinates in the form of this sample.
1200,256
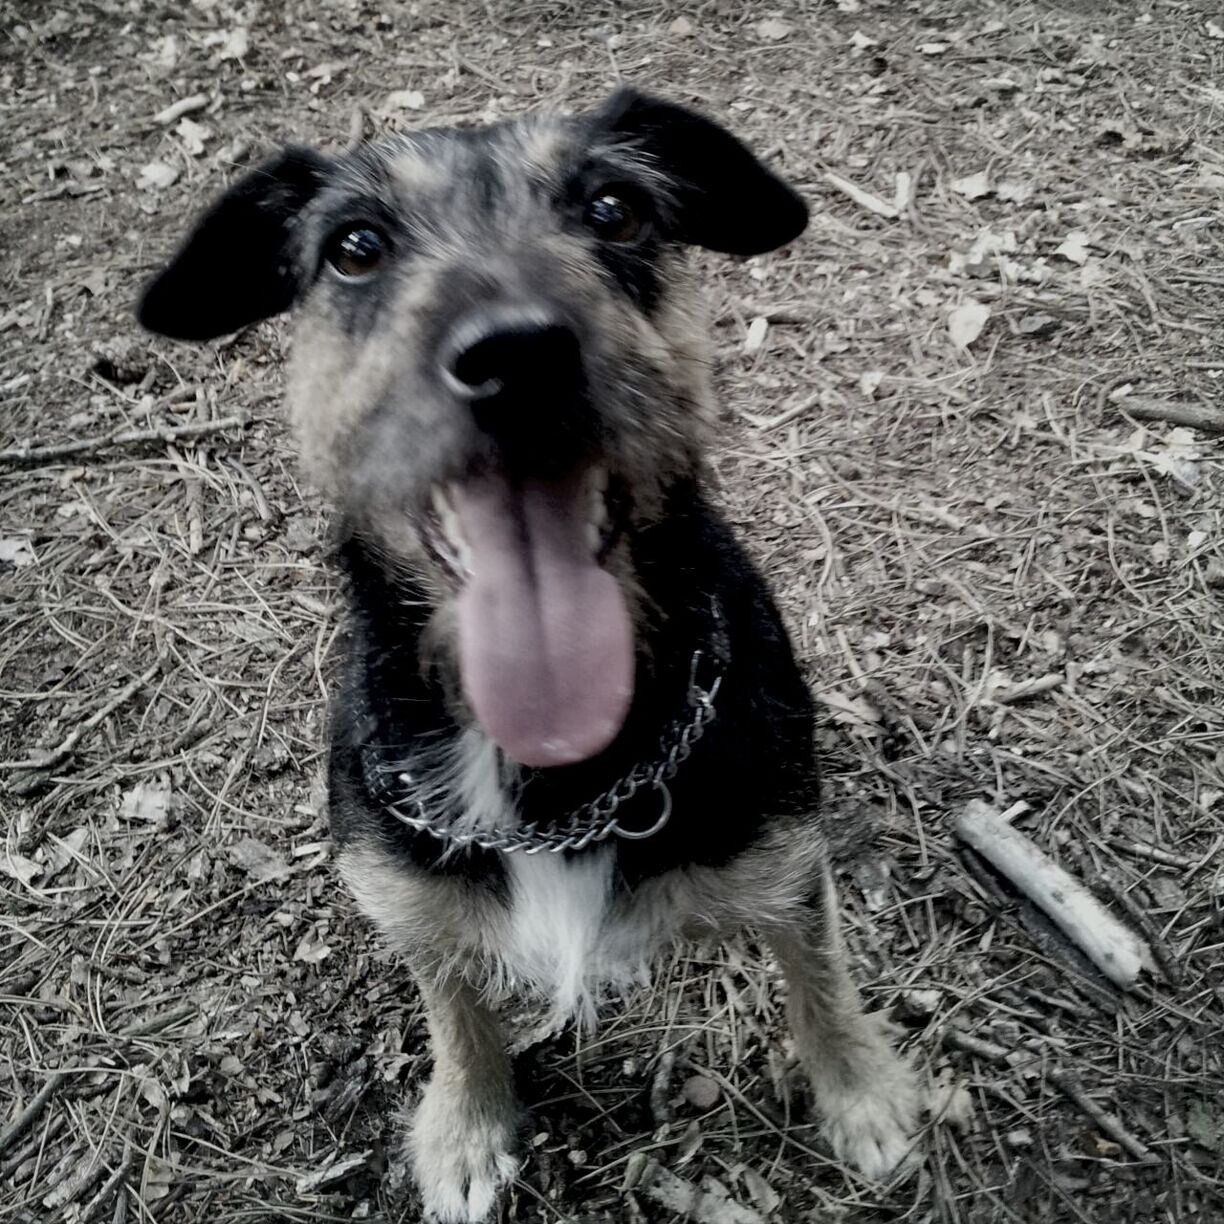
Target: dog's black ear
725,199
237,265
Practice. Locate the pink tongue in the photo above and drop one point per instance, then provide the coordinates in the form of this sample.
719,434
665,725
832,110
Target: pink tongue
545,643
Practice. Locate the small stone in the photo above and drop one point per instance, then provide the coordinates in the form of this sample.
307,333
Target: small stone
701,1092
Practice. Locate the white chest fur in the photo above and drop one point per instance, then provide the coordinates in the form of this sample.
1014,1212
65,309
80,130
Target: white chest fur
555,927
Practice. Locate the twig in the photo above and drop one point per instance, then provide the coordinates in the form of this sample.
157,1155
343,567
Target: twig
1116,950
959,1040
29,1115
26,1150
184,106
163,1020
1028,688
55,755
864,199
123,437
93,1208
1153,853
488,78
1106,1122
1193,416
793,413
660,1086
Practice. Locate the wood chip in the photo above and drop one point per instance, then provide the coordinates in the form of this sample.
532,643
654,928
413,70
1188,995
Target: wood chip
184,106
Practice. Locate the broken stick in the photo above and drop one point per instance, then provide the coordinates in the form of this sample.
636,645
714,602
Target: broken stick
1192,416
1116,950
121,437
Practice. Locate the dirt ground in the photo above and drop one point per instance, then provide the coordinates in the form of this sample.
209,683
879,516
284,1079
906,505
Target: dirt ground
971,429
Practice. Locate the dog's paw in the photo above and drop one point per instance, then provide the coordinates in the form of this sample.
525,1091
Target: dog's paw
871,1126
461,1153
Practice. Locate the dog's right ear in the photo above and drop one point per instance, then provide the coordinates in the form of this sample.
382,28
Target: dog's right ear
238,264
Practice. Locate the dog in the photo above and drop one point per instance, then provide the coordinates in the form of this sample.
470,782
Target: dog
572,729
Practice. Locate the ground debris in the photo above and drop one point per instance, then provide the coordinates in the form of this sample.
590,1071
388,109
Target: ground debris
1001,564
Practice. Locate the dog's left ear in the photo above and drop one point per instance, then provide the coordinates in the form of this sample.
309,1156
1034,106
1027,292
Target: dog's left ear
725,199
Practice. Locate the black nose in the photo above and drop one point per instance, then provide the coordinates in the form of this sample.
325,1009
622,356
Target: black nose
504,352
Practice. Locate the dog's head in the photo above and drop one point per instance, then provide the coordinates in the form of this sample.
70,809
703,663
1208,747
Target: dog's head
494,370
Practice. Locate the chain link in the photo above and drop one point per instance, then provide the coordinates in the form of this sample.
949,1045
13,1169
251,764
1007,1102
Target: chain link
596,820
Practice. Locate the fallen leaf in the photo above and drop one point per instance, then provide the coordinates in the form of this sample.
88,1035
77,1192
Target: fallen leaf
973,186
949,1102
404,99
324,73
903,192
933,48
233,44
1013,191
154,1094
772,30
193,135
148,802
981,258
709,1203
166,51
1037,326
1074,247
861,41
158,1178
332,1173
757,330
857,713
60,851
682,27
311,948
1213,30
965,323
763,1194
95,282
1178,457
869,382
158,175
16,551
258,860
1202,1127
18,867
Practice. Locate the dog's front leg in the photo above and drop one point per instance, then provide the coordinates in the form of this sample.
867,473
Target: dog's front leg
866,1091
463,1137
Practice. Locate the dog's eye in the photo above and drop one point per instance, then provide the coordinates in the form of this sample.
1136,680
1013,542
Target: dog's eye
613,218
356,251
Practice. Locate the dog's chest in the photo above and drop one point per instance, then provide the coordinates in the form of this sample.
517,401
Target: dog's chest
564,931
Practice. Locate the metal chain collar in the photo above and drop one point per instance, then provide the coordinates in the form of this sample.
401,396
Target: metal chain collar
595,821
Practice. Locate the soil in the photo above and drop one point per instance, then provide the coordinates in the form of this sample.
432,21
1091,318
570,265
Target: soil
954,431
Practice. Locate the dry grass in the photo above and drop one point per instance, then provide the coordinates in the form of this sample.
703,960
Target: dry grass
1005,587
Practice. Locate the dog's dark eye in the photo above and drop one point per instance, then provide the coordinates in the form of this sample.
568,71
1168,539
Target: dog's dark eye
356,251
613,218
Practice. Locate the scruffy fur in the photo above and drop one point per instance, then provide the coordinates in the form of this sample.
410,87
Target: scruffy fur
497,229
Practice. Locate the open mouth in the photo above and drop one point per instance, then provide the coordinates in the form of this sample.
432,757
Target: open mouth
546,651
